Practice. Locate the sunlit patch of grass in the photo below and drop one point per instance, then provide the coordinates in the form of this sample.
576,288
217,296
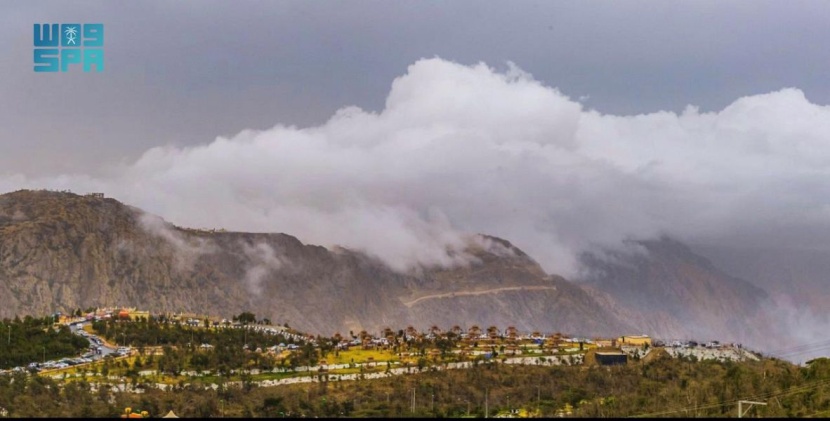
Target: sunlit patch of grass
359,356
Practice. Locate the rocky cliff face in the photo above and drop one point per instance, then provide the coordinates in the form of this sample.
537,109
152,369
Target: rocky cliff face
60,251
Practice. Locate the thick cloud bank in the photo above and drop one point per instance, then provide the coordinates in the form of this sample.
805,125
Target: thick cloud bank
460,149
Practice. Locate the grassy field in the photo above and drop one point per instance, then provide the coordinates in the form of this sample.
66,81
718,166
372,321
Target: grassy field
359,356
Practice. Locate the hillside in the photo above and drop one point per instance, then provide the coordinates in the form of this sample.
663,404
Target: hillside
61,251
672,292
800,274
662,387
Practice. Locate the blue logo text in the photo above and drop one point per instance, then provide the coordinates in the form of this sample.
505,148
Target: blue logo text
58,46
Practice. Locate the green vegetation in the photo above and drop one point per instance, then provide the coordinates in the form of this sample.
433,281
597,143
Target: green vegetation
175,372
30,340
663,387
181,345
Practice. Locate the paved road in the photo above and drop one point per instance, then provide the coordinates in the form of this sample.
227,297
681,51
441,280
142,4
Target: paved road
105,350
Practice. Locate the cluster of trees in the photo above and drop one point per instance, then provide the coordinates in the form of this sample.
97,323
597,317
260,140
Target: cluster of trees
663,387
159,332
230,349
33,339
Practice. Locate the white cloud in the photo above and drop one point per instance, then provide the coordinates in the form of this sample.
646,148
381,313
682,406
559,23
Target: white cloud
186,249
462,149
263,260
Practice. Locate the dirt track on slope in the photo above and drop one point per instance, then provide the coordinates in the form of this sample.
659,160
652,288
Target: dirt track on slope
482,292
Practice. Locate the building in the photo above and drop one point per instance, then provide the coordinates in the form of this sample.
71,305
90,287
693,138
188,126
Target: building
133,314
635,340
606,343
611,358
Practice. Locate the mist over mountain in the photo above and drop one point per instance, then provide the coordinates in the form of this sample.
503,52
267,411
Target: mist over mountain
802,274
392,196
675,293
459,149
61,251
797,280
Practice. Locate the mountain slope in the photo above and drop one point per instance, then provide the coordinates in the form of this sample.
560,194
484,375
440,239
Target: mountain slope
672,292
800,274
60,251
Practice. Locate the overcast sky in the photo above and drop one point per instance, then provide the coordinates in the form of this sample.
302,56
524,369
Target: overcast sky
184,72
395,127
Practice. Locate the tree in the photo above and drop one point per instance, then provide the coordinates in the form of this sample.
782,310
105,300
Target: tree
246,318
422,363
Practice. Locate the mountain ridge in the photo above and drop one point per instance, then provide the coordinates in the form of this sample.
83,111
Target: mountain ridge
60,251
664,286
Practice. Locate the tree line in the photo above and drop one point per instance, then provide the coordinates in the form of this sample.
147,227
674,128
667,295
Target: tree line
28,340
663,387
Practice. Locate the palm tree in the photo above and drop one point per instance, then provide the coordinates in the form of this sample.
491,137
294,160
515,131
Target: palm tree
474,330
410,331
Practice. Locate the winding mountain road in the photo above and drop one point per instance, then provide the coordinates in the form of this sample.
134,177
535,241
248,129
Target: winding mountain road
481,292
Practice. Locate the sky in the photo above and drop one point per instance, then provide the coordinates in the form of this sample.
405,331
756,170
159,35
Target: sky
399,127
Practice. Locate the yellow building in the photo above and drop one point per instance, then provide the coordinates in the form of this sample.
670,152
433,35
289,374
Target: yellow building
606,343
635,340
138,314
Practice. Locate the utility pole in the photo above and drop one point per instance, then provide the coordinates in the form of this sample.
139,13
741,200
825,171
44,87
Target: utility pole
741,412
486,405
413,400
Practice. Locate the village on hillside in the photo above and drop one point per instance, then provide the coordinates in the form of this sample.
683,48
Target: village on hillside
405,349
132,351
